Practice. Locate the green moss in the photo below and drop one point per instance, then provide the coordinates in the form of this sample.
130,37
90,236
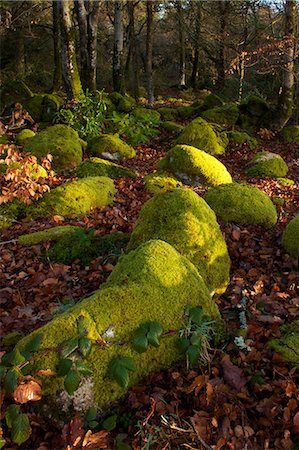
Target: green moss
62,142
74,198
25,134
238,137
110,146
290,237
168,113
36,171
285,181
123,103
185,112
11,339
291,133
14,91
51,105
184,220
242,204
266,164
34,106
4,140
288,344
172,127
85,246
159,182
51,234
223,115
100,167
11,212
145,113
200,134
254,106
194,167
212,101
153,283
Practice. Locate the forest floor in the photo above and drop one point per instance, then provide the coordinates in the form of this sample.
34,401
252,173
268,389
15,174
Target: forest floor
241,399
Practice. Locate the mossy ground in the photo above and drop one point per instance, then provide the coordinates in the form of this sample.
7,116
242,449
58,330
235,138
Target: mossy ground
200,134
290,237
152,283
194,167
184,220
159,182
61,141
97,167
288,344
51,234
266,164
74,198
110,146
242,204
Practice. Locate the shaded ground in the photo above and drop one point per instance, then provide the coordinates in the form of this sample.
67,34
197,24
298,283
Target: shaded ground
241,400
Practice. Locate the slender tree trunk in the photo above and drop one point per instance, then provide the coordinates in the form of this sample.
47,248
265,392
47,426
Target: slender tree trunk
149,51
57,78
132,57
182,76
195,67
286,98
223,8
243,46
82,24
69,60
118,69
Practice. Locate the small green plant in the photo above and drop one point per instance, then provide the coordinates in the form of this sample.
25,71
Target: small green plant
195,336
119,369
148,333
134,130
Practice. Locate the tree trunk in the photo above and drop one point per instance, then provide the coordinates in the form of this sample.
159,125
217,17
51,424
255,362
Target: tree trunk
118,69
182,76
57,78
69,61
195,67
149,52
132,57
286,98
223,9
82,24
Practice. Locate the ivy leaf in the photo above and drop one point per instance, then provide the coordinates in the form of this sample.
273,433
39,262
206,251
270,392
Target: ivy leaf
183,345
110,423
14,358
69,347
196,315
83,369
27,370
90,414
64,366
71,382
193,355
2,372
118,370
85,345
128,363
11,380
155,328
33,345
140,343
82,326
21,429
153,339
196,340
11,414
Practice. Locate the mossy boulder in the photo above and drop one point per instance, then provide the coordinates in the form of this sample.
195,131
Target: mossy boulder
240,137
147,114
85,245
159,182
74,198
185,112
223,115
291,133
212,101
194,167
184,220
168,113
254,106
110,146
290,237
201,134
50,106
35,171
287,181
34,105
97,167
267,164
51,234
23,136
14,91
154,283
288,343
242,204
123,103
62,142
172,127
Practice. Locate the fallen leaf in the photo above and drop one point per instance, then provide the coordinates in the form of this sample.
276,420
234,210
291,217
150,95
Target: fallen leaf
27,392
233,375
96,441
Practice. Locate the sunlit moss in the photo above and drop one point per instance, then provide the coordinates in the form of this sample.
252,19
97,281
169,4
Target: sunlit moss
266,164
110,146
159,182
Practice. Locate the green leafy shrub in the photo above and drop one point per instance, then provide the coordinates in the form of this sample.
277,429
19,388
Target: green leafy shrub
134,129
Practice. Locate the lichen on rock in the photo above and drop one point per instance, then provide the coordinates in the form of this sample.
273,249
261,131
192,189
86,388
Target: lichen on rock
290,237
267,164
242,204
111,147
194,167
184,220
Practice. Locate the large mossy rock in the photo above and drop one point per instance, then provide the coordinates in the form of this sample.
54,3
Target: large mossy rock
123,103
62,142
288,343
50,234
152,283
185,112
159,182
194,167
43,107
146,114
201,134
168,113
97,167
254,106
172,127
240,137
223,115
290,237
211,101
12,92
74,198
110,146
242,204
24,135
267,164
185,221
291,133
